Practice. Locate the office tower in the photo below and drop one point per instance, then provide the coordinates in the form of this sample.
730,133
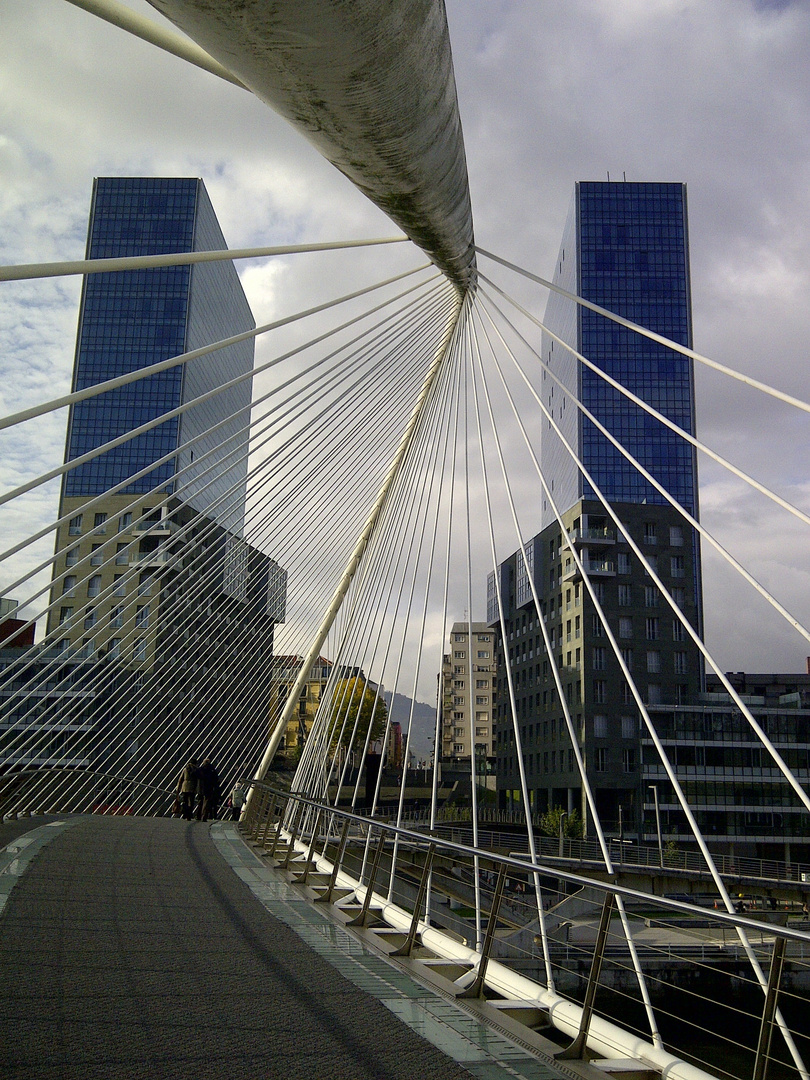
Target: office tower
193,463
624,248
152,571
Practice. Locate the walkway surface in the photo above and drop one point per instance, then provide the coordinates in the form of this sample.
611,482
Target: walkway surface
145,947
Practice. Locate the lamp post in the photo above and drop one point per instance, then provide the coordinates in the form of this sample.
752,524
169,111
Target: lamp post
654,789
563,816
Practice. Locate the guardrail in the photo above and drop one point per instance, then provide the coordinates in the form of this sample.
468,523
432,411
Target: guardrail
623,851
541,935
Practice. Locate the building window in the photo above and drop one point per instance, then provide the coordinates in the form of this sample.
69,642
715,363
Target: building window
458,700
677,566
119,588
652,626
650,533
653,661
600,727
599,591
599,655
629,727
627,656
625,596
625,626
75,525
145,585
142,615
652,565
139,650
679,597
65,615
623,562
100,523
597,628
458,684
600,691
69,585
650,596
482,684
459,637
94,585
628,760
654,694
124,522
600,759
482,731
459,669
90,619
121,556
460,654
71,556
679,660
483,654
484,637
577,626
480,700
114,648
116,618
676,536
678,630
97,557
458,748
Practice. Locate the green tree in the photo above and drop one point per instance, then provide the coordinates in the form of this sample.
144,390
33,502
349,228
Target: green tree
550,823
354,701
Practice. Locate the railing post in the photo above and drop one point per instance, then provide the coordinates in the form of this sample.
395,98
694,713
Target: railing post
407,947
267,821
362,918
252,817
476,988
576,1051
302,878
326,897
277,837
769,1011
298,817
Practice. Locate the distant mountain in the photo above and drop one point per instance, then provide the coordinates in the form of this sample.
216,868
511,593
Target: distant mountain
424,722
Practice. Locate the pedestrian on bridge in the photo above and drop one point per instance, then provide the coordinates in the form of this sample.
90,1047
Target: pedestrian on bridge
209,791
187,784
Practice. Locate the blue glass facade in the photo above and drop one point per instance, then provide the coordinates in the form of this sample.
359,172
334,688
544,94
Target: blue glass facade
133,319
625,248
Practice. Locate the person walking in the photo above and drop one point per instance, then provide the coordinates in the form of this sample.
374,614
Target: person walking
237,800
208,791
187,783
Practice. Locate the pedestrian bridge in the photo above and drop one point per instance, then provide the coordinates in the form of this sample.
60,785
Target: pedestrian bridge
383,468
334,942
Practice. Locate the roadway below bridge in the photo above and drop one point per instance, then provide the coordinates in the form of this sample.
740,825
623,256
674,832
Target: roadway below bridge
146,947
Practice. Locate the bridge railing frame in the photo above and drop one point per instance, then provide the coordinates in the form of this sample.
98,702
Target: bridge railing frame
296,823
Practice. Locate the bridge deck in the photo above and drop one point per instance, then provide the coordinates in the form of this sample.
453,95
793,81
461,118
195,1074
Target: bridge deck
135,947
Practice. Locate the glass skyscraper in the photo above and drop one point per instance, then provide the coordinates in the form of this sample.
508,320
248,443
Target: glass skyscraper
132,319
625,247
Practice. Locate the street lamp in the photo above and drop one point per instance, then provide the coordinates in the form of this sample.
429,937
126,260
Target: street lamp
654,789
563,816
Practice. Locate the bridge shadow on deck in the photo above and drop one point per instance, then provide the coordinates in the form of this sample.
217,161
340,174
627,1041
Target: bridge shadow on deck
129,948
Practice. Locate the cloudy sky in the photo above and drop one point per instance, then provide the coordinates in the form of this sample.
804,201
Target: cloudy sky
712,92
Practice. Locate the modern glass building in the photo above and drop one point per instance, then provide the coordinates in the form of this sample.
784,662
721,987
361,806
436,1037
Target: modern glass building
625,247
133,319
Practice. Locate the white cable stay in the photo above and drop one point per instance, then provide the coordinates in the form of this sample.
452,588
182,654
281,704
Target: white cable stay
117,264
659,338
184,358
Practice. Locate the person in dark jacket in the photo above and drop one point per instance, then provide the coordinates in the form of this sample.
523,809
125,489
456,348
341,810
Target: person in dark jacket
209,791
187,784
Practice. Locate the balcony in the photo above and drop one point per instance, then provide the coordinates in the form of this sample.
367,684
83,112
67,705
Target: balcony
151,558
594,568
592,536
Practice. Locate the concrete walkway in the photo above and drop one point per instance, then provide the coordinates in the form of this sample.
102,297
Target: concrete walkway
143,947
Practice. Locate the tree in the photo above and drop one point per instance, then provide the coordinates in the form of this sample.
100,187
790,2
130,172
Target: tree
550,823
354,701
